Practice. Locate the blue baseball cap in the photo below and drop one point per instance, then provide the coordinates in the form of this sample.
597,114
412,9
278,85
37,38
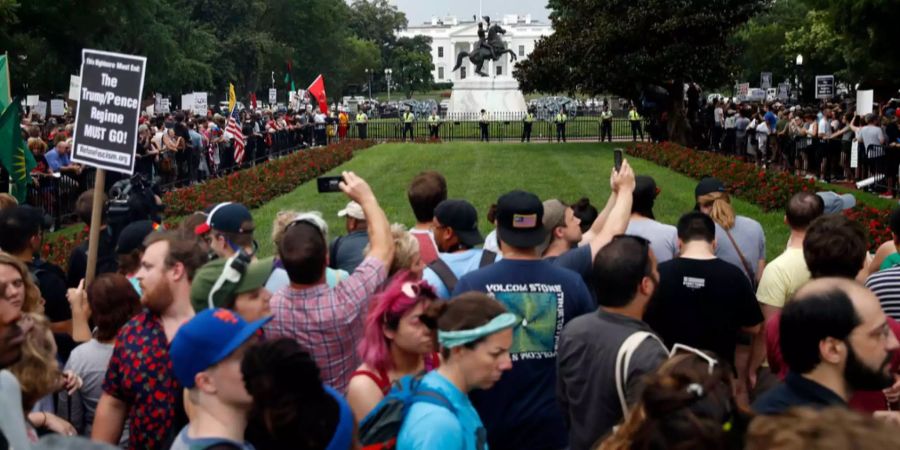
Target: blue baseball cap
208,338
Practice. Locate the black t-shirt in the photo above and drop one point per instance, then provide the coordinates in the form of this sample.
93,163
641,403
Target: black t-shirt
181,130
703,304
892,133
52,283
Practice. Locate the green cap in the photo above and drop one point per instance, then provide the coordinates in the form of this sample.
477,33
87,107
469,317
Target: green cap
205,279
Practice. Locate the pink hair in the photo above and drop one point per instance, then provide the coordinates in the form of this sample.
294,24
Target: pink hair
386,308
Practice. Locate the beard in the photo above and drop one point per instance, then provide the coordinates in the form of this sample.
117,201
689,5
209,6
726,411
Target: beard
158,297
861,377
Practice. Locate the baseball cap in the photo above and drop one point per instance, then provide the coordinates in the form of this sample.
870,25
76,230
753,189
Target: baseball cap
708,185
206,339
132,236
462,217
520,218
353,210
254,277
227,217
835,203
645,192
24,220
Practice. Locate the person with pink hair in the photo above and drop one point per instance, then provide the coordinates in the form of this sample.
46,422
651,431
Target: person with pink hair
395,342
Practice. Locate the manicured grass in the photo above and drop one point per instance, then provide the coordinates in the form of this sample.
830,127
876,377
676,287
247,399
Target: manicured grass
481,173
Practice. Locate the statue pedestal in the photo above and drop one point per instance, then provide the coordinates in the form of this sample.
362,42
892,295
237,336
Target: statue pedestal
494,94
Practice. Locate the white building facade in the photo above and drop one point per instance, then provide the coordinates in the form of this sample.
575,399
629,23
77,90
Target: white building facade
450,36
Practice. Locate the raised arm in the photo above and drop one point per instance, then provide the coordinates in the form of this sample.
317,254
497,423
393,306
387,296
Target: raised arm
381,243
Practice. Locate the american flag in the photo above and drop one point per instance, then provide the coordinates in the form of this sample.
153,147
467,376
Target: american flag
234,128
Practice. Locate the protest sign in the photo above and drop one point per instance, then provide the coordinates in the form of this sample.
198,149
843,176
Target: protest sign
187,102
41,109
74,87
744,90
784,91
765,80
165,105
32,100
854,154
199,105
864,100
273,96
57,107
108,110
824,86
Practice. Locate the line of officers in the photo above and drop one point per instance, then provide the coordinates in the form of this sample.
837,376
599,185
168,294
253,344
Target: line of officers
560,119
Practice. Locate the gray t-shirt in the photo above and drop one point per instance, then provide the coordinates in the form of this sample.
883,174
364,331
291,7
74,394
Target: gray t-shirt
749,236
348,251
663,238
89,361
586,381
871,135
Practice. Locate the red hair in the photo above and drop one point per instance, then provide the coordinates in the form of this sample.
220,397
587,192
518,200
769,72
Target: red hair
385,310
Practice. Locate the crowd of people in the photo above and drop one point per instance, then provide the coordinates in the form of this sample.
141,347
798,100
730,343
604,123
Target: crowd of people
566,326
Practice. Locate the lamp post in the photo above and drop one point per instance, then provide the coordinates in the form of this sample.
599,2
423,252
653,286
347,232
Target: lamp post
387,77
798,65
369,73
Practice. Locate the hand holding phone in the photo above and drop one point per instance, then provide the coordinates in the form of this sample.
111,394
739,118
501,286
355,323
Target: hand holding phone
329,184
617,156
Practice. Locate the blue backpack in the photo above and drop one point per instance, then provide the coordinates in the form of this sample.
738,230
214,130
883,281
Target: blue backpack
380,428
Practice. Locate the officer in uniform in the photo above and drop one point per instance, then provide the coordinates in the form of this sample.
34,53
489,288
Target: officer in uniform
362,123
408,118
434,124
527,122
483,123
561,119
635,120
606,123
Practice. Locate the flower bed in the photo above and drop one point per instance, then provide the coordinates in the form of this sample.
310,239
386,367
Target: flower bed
769,190
252,187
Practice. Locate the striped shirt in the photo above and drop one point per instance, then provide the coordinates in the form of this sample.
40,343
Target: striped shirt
328,321
886,286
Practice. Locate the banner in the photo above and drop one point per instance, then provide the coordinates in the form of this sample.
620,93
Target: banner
824,86
864,101
74,87
57,107
106,119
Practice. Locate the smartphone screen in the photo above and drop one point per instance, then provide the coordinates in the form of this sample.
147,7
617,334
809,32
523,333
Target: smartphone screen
617,155
329,184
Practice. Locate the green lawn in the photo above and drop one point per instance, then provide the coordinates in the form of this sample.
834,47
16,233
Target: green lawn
506,127
481,173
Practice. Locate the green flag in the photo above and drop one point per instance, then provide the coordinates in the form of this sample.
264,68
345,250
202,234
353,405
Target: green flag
14,154
4,82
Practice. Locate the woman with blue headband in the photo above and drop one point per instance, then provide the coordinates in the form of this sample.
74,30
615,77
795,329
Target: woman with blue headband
475,333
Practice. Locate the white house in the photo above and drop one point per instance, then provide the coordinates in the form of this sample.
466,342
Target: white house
449,36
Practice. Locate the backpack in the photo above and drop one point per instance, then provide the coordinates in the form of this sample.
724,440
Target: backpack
623,359
381,427
442,270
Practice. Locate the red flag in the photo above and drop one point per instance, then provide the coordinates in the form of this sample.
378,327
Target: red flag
253,100
317,90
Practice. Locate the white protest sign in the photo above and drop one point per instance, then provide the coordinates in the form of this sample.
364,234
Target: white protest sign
187,101
164,105
106,120
74,86
32,100
744,90
854,154
150,109
57,107
273,96
864,100
199,106
765,80
41,108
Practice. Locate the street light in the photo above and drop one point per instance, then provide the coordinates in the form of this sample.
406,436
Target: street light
387,77
798,65
369,73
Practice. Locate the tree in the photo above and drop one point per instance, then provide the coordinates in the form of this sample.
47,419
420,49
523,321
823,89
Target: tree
763,39
626,46
411,62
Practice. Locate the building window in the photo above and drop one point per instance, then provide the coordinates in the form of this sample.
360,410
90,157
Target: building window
440,52
499,70
440,73
521,50
462,73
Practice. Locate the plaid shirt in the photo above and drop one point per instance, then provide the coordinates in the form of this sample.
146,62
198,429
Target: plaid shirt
328,322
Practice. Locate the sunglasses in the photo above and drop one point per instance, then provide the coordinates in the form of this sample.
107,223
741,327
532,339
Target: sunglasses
416,289
685,349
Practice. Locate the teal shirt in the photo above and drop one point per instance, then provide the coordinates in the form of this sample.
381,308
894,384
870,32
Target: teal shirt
435,427
891,262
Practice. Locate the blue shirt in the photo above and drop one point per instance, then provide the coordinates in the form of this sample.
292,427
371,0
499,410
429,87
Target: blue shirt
185,442
429,426
460,264
796,390
56,161
520,411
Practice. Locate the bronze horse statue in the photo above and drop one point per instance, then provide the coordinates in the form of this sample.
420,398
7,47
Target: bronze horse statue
491,48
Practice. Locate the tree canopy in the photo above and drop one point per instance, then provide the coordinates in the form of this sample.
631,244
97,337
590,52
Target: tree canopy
202,45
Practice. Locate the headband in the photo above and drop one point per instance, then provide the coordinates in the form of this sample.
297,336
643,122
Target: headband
450,339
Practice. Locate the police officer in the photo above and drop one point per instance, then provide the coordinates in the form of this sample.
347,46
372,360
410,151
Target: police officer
483,123
635,120
434,124
561,119
527,122
606,123
408,118
362,123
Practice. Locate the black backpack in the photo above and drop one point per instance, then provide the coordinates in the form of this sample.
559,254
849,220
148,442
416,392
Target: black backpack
442,270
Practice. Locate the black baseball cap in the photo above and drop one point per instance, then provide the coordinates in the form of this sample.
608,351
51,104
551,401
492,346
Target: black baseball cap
520,217
227,217
24,221
708,185
462,217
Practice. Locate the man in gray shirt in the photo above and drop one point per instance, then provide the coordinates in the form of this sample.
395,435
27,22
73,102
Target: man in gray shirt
589,346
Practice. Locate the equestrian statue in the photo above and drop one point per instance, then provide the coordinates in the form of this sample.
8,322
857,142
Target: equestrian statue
491,47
